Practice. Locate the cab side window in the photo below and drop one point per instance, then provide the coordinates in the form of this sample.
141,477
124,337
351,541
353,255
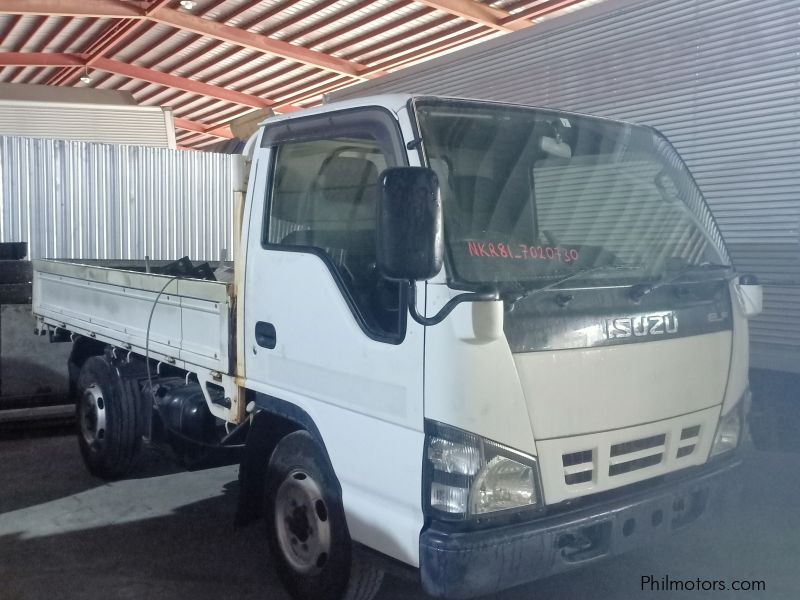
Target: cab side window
323,199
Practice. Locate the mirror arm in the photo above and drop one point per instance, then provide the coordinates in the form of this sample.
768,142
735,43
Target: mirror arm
447,308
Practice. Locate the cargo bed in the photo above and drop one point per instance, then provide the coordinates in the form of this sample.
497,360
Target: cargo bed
192,320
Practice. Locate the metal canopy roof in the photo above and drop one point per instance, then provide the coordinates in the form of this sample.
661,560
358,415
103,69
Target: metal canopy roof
215,60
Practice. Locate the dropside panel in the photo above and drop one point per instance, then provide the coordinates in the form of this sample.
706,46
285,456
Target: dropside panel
190,320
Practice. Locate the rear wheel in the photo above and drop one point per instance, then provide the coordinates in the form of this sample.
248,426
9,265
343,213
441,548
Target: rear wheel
307,529
107,427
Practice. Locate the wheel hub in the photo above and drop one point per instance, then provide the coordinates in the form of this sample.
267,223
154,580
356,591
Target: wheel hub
301,523
298,523
92,416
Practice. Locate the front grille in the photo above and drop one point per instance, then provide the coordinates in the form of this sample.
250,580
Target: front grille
578,467
636,454
574,466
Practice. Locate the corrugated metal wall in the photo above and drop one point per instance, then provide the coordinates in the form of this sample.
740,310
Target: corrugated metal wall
72,199
106,123
721,78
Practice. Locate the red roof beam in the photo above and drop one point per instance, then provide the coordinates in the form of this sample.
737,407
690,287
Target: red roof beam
38,59
179,83
223,132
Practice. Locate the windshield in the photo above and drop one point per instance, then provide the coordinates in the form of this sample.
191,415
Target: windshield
531,196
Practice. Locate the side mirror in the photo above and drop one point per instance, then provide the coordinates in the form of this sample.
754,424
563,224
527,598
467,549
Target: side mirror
751,295
410,242
409,237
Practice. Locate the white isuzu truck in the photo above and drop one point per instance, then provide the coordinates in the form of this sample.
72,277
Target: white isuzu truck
481,342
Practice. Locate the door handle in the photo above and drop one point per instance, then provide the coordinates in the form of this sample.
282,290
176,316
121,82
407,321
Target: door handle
265,335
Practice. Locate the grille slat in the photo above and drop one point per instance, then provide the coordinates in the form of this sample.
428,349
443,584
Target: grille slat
577,478
636,445
634,465
633,456
582,468
576,458
578,467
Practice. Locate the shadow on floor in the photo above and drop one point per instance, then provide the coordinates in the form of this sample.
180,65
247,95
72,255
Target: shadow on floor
191,552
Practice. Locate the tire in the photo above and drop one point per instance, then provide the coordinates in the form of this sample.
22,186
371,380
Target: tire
306,527
107,425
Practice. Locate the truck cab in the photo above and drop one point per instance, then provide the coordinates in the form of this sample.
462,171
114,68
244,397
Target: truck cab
488,342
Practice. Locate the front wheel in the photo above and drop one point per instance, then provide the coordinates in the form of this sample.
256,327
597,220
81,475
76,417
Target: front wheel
307,529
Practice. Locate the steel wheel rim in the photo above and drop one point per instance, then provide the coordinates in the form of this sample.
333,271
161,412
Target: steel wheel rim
302,523
92,416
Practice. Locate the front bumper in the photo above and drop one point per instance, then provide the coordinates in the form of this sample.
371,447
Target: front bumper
474,563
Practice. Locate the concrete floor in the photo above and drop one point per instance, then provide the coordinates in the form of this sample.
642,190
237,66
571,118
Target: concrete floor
167,534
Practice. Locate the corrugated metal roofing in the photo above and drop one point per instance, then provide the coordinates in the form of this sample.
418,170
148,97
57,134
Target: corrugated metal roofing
374,36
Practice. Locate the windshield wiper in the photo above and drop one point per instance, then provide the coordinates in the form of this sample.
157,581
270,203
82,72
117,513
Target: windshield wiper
639,291
512,300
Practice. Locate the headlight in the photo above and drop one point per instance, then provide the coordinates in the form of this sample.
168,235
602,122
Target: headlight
730,429
467,475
